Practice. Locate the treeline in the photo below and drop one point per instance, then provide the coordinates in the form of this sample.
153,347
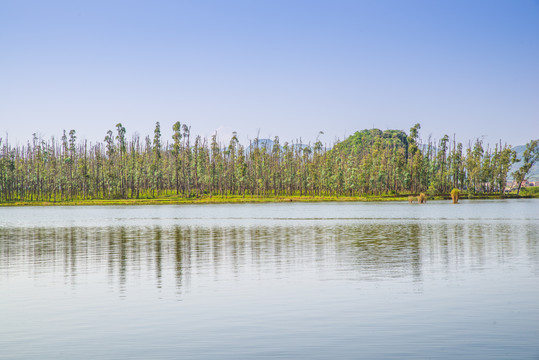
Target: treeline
369,162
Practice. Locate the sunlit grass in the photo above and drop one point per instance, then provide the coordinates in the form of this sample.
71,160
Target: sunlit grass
169,199
173,199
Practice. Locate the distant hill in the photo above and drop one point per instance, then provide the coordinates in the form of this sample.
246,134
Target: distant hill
534,172
353,143
364,138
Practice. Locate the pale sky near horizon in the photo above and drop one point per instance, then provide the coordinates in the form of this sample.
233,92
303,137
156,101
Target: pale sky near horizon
288,68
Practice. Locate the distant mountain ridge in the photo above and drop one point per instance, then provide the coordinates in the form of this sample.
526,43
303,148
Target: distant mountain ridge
267,144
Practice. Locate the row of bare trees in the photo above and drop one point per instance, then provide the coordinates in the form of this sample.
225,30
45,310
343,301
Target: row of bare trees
192,166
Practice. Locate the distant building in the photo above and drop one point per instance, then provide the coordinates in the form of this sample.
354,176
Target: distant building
513,185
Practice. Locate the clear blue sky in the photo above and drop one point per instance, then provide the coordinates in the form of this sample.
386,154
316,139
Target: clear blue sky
290,68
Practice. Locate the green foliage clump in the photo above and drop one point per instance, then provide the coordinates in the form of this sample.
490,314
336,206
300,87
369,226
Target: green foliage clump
455,193
530,191
363,140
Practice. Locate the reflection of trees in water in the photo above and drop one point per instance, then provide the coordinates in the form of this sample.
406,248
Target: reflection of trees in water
532,245
365,251
383,250
476,246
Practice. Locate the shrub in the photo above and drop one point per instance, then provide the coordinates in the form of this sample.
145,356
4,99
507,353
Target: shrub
530,190
455,195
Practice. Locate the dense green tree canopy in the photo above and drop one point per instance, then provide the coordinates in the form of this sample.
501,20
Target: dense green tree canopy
368,162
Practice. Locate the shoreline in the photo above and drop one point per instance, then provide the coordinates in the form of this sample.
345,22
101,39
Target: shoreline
176,200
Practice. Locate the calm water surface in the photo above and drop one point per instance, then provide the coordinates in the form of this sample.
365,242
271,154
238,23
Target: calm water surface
306,281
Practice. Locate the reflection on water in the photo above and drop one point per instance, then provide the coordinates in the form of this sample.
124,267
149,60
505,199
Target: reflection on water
310,281
367,251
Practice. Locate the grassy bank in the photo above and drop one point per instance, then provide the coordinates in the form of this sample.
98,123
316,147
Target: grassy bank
174,199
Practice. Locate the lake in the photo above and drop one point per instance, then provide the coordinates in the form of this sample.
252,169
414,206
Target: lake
276,280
